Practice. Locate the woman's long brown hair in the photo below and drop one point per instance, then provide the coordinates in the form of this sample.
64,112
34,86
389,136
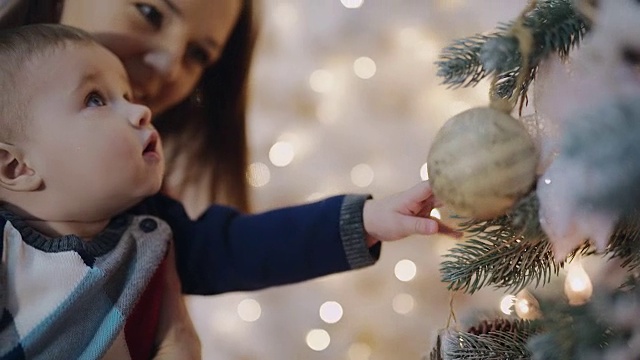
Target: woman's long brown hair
208,131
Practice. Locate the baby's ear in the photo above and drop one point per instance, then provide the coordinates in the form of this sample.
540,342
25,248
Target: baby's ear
15,174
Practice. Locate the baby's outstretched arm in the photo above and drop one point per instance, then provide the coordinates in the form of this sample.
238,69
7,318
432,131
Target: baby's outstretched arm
176,337
403,214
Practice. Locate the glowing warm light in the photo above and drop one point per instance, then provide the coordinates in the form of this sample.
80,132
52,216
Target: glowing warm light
281,153
435,213
318,339
364,67
258,174
352,4
405,270
577,285
523,306
321,81
359,351
331,312
362,175
249,310
506,304
527,306
403,303
424,173
285,14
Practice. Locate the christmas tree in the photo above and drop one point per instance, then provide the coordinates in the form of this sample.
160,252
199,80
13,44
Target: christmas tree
534,192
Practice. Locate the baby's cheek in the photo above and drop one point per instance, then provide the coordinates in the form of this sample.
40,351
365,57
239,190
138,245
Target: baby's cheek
122,147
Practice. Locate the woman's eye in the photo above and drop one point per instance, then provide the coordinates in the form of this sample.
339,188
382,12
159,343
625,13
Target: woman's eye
94,99
151,14
200,55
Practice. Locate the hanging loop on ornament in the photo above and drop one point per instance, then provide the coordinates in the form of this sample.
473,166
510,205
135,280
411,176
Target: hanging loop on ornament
452,312
525,41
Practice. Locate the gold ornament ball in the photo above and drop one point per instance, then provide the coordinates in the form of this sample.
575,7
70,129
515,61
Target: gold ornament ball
481,162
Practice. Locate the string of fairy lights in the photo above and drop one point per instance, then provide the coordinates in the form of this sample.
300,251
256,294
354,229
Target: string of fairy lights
578,289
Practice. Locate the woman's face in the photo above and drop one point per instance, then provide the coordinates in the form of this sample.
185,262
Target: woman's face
165,45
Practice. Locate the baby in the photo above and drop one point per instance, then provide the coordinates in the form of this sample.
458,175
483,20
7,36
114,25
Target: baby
87,273
78,280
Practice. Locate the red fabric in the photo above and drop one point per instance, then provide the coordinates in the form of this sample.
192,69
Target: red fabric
142,325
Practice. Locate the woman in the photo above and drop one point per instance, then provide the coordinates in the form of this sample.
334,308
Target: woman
188,60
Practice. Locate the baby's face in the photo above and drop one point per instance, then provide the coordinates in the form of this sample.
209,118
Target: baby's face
89,142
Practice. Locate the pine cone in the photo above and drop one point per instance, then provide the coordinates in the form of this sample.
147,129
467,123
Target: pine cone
502,325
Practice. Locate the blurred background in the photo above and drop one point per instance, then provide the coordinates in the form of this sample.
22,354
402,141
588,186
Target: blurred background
345,99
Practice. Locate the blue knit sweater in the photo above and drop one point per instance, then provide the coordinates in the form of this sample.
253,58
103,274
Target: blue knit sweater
224,250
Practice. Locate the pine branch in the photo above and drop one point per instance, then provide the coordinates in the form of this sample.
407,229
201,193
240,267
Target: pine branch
507,341
556,28
460,64
510,252
607,327
625,242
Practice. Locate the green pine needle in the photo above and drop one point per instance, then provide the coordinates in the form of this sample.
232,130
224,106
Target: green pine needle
625,242
509,252
460,64
556,28
572,331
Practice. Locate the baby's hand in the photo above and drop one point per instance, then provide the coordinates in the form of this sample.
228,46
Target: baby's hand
403,214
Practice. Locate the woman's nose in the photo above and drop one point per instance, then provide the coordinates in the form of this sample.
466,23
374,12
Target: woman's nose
165,62
139,115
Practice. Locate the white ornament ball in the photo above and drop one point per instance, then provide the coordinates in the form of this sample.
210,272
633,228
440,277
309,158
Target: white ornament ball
481,162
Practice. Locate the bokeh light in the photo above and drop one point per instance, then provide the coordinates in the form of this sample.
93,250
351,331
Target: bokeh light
403,303
362,175
352,4
321,81
281,153
318,339
405,270
506,304
424,173
249,310
364,67
258,174
331,312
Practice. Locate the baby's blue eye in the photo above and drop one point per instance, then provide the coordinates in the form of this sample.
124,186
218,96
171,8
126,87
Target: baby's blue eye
94,99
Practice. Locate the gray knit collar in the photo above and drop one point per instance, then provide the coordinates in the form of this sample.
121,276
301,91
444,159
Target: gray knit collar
101,244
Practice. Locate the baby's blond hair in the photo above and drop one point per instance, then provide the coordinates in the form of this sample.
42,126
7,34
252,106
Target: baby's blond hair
18,47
